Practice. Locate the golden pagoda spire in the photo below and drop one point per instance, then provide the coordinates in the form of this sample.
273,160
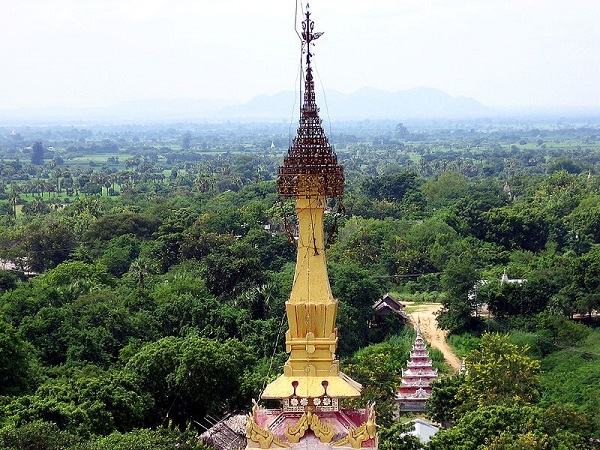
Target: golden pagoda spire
311,384
311,173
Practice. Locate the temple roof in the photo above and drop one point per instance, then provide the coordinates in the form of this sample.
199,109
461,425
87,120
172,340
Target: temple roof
388,305
415,385
344,429
227,434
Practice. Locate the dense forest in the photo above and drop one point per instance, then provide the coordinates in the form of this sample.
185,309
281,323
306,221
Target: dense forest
139,262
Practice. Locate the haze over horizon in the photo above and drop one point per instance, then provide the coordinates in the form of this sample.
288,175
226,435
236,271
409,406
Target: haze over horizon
104,52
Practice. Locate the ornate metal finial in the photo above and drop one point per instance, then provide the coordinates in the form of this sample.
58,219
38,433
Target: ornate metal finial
309,35
310,156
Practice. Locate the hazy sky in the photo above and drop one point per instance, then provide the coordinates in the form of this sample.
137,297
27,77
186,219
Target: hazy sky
101,52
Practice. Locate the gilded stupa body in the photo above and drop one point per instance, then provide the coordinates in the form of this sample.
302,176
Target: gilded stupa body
311,173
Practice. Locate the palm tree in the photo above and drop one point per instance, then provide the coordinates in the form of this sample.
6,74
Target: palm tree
140,268
14,198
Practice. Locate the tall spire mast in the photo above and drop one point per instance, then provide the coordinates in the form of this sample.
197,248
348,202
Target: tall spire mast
311,173
310,153
309,35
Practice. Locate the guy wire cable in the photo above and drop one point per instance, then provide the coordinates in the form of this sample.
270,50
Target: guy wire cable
324,98
299,74
279,331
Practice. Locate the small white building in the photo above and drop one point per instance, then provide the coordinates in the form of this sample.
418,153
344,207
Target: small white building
423,429
505,279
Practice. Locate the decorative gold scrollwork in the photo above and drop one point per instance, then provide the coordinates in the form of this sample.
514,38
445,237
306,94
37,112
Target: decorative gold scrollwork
308,420
295,432
366,431
322,431
263,437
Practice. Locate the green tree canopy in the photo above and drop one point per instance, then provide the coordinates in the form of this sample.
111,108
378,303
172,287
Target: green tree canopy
89,402
378,368
517,427
397,437
498,372
190,377
458,280
37,153
442,405
19,369
47,243
37,435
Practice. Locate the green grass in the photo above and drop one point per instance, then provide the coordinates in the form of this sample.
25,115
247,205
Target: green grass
463,344
418,297
573,375
414,157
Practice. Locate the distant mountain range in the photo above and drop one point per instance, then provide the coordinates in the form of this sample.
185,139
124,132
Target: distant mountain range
366,103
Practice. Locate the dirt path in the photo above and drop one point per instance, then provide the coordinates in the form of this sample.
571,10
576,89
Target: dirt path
425,313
